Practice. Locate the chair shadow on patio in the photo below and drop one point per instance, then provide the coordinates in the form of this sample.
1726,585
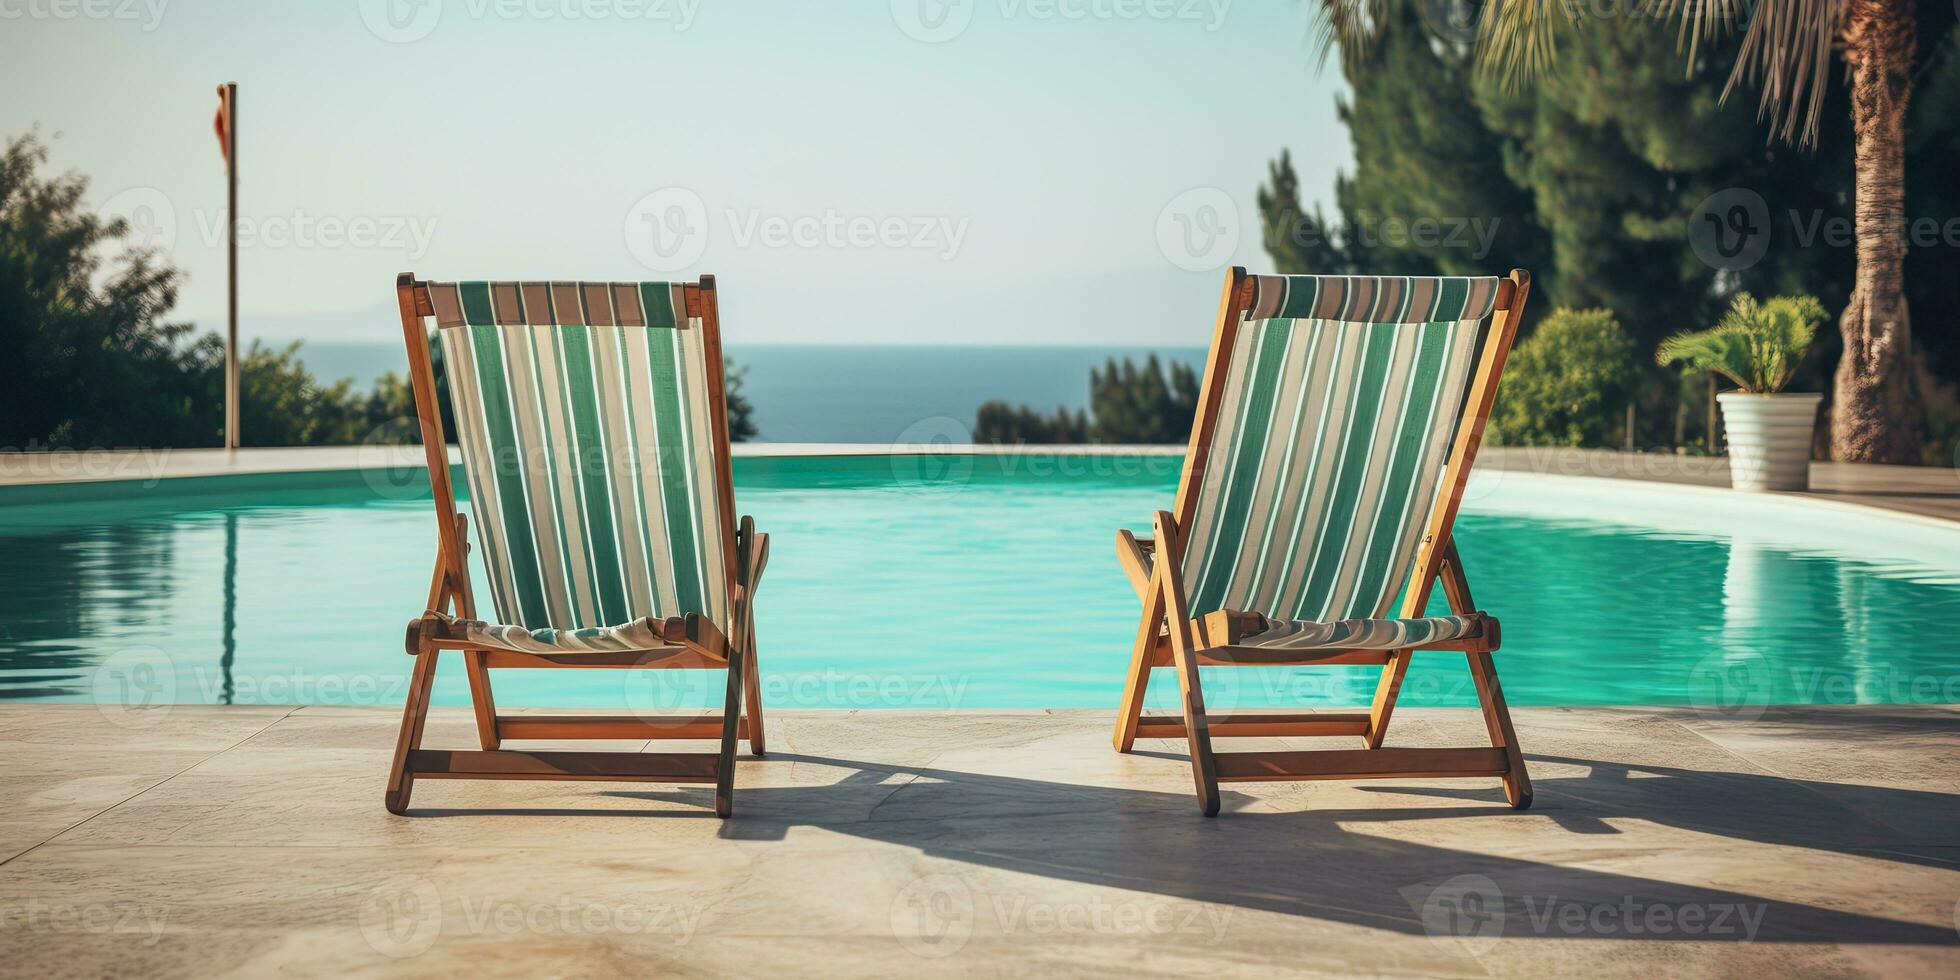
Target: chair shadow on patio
1322,864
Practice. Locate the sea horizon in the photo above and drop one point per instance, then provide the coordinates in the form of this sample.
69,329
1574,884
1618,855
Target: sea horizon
849,393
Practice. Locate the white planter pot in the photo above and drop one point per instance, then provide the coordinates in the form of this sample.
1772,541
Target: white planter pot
1769,439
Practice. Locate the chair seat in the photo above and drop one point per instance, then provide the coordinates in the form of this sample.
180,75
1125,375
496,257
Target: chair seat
1364,634
639,636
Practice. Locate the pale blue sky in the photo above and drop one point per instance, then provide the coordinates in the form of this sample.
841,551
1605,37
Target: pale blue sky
848,182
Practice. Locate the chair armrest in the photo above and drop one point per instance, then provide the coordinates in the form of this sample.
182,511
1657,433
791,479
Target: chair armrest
1136,555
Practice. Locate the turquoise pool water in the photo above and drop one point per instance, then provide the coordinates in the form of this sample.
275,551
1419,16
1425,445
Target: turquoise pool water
933,582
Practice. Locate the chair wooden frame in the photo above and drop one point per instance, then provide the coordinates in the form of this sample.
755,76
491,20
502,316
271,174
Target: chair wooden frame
700,643
1168,637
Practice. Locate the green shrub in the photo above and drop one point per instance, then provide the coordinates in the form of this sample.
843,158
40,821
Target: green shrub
1567,384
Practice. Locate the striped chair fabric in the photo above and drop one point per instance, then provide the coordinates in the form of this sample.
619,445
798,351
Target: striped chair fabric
638,636
583,415
1342,396
1364,634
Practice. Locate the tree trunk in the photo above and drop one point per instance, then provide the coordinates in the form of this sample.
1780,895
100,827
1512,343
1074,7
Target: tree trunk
1873,418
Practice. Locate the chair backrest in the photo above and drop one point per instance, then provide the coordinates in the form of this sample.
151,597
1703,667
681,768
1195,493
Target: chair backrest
1334,403
594,437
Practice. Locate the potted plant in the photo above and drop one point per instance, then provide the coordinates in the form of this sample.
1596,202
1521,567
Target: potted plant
1758,346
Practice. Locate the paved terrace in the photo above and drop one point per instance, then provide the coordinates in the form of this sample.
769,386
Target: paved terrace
193,841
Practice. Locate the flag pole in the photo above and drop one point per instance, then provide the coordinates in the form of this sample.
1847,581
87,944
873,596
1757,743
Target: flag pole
231,265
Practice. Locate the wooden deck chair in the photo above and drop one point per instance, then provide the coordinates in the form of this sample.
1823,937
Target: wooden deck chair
1335,429
594,434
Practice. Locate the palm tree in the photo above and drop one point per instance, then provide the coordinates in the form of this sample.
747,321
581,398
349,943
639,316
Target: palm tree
1787,51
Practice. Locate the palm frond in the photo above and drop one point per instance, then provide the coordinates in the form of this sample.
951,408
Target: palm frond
1517,39
1786,50
1349,25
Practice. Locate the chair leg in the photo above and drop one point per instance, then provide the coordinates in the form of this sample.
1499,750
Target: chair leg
1204,767
1131,709
486,706
1497,718
415,712
1386,691
731,729
752,685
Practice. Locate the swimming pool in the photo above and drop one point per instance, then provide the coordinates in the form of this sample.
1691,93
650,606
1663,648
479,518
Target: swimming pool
930,582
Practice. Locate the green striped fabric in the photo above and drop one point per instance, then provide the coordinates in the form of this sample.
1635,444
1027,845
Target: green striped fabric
1342,396
583,416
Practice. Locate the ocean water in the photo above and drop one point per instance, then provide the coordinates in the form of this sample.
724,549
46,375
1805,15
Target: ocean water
866,394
